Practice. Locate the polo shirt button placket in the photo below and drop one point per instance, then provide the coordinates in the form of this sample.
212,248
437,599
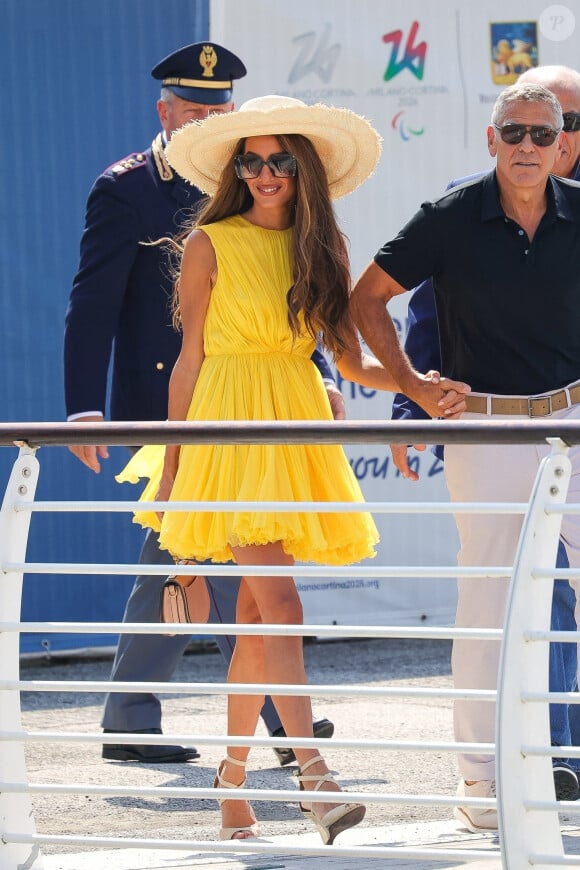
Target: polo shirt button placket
522,233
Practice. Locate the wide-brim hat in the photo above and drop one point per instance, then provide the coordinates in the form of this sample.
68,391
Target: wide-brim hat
347,144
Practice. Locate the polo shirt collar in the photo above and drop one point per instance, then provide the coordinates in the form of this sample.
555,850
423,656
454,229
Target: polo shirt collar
561,204
490,204
558,206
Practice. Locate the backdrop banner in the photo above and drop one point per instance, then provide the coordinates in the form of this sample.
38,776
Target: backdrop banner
426,74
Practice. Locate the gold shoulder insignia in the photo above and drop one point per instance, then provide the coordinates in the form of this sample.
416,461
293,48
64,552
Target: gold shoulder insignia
132,161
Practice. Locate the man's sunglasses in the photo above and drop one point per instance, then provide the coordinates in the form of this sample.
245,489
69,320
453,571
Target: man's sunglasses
571,122
513,134
249,165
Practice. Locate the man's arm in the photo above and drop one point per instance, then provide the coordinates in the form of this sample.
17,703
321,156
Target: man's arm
370,296
108,249
423,349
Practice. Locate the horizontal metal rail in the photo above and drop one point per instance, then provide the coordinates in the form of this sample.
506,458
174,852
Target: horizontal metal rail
248,689
556,751
292,432
233,740
258,794
234,628
244,847
230,570
373,507
542,860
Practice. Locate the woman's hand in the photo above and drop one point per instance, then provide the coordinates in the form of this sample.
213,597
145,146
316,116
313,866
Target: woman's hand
451,400
164,491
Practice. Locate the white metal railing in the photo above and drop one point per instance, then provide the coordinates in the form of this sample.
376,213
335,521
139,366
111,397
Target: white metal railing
529,824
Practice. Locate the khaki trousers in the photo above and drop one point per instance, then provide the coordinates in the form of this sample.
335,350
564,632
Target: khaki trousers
490,473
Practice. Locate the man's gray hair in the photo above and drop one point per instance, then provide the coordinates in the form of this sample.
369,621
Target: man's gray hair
528,93
166,95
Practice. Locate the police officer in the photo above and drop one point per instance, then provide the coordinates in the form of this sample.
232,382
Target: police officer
121,296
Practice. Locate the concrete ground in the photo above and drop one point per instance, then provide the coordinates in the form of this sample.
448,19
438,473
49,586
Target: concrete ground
373,662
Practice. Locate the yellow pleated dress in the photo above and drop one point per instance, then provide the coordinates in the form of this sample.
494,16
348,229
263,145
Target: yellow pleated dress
255,370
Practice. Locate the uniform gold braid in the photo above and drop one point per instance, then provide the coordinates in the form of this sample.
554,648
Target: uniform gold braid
163,168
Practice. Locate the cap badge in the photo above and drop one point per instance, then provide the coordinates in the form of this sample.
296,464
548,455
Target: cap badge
208,59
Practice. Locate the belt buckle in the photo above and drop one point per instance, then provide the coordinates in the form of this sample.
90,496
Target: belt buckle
532,399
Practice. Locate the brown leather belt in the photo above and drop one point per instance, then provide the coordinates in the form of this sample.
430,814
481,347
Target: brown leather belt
527,406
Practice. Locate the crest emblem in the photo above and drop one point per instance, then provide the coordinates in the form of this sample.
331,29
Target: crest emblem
208,59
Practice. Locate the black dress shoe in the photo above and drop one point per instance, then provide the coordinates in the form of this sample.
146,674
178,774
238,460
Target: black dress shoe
565,781
146,754
321,728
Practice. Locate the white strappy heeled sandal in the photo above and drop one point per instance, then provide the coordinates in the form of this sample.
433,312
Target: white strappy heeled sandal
229,833
339,818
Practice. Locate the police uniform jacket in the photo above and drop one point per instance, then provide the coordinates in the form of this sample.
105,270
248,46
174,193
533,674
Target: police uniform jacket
120,300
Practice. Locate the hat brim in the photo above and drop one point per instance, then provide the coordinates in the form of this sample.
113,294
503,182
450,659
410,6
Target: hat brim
204,96
348,146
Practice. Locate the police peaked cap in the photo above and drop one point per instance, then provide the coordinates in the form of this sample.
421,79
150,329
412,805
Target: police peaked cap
201,73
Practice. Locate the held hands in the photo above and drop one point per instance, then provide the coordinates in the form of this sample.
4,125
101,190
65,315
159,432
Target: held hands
440,397
450,403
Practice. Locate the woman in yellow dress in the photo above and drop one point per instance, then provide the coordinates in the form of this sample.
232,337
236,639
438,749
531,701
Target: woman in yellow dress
263,272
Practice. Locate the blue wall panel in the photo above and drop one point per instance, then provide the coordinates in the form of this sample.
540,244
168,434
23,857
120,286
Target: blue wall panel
77,96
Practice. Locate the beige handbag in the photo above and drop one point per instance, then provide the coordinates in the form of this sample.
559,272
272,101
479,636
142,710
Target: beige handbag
184,599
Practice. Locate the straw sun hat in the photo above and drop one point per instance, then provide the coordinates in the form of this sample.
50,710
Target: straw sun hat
347,144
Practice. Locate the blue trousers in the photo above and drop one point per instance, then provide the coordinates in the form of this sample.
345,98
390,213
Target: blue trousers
154,657
563,672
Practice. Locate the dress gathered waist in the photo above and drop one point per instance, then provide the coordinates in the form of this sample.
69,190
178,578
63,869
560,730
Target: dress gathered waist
295,354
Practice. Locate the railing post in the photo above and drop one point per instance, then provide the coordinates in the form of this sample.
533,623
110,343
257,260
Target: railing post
16,814
524,667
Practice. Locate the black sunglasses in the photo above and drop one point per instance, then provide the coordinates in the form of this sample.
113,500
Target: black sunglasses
249,165
571,122
542,135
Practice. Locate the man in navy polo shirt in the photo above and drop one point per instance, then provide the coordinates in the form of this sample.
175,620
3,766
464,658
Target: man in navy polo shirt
422,347
508,305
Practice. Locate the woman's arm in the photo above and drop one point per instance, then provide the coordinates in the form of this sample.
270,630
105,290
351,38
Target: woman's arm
197,277
358,366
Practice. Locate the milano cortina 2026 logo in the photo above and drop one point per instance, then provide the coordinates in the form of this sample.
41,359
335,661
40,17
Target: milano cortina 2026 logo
411,58
318,58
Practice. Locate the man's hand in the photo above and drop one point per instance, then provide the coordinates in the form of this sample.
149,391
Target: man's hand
450,405
401,459
337,405
87,453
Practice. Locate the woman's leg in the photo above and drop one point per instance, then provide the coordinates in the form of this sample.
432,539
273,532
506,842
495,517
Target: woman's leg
277,602
247,666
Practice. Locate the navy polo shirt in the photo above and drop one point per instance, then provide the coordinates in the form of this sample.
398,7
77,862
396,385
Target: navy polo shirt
508,310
